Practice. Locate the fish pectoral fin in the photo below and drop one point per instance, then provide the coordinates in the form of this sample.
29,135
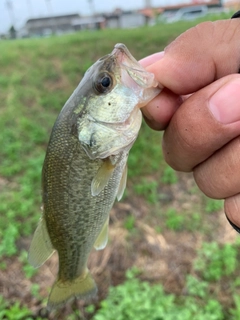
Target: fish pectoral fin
102,177
82,287
122,184
102,238
41,247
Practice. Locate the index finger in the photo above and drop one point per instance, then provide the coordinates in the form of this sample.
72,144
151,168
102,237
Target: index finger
199,56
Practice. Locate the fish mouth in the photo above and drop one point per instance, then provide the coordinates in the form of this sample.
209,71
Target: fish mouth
133,73
121,50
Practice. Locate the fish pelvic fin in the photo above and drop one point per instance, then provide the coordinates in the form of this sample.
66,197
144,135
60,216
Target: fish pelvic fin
41,247
83,287
102,238
102,177
122,184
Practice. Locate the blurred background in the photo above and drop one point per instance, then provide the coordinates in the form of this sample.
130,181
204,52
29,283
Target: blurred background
171,254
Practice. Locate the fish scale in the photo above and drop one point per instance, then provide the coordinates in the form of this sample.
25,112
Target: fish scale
73,191
85,168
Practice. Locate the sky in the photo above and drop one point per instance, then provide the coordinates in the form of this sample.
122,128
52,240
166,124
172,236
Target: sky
25,9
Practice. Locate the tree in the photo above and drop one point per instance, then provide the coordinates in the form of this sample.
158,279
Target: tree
12,33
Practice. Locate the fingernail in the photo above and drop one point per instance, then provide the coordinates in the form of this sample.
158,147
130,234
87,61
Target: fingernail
225,103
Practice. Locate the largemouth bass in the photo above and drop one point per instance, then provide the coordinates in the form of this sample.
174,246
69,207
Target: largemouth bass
85,168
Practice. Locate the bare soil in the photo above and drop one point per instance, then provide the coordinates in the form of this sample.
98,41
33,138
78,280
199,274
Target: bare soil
164,257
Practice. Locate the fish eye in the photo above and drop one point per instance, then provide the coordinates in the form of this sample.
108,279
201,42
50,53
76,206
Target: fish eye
106,82
103,83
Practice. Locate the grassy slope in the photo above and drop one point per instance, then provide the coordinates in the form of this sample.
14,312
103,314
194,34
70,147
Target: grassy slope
37,76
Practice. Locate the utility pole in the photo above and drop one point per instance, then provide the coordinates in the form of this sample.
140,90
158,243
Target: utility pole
92,8
12,30
10,12
148,6
54,26
92,11
30,9
49,7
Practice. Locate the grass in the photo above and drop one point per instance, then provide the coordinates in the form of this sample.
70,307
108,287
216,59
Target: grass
215,261
36,80
139,298
37,77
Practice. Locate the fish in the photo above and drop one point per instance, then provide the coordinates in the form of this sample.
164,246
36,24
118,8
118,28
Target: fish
85,169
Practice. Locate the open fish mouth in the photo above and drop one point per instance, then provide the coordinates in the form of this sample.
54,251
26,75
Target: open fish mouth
134,70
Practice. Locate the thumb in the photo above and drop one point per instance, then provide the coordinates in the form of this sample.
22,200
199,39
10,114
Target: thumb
199,56
204,124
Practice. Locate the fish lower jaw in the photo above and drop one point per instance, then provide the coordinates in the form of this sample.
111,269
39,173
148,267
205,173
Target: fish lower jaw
120,137
96,155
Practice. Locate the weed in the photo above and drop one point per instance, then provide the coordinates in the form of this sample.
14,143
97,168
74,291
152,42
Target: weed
7,245
13,312
146,156
215,261
169,176
129,223
134,297
236,311
174,220
196,287
148,189
35,290
27,268
195,222
213,205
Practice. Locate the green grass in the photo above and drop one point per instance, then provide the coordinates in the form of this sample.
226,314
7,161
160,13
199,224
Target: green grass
139,298
174,220
37,77
216,261
13,312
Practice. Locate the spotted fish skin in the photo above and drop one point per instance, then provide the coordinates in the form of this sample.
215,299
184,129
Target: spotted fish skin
85,168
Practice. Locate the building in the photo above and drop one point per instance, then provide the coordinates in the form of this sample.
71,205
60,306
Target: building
84,23
124,19
45,26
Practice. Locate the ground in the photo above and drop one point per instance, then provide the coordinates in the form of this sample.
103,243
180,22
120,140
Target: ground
164,257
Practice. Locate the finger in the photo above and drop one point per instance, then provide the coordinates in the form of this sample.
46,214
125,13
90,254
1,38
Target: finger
195,59
219,176
232,210
160,110
151,59
199,56
204,123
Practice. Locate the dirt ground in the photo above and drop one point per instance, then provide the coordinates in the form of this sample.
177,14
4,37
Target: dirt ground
164,257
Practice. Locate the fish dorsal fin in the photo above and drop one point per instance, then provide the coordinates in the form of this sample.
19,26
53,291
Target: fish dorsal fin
122,184
102,238
41,247
102,177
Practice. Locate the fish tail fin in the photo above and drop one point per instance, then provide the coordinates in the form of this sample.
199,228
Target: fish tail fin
83,287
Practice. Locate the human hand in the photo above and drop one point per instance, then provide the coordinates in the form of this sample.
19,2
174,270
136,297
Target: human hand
200,108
